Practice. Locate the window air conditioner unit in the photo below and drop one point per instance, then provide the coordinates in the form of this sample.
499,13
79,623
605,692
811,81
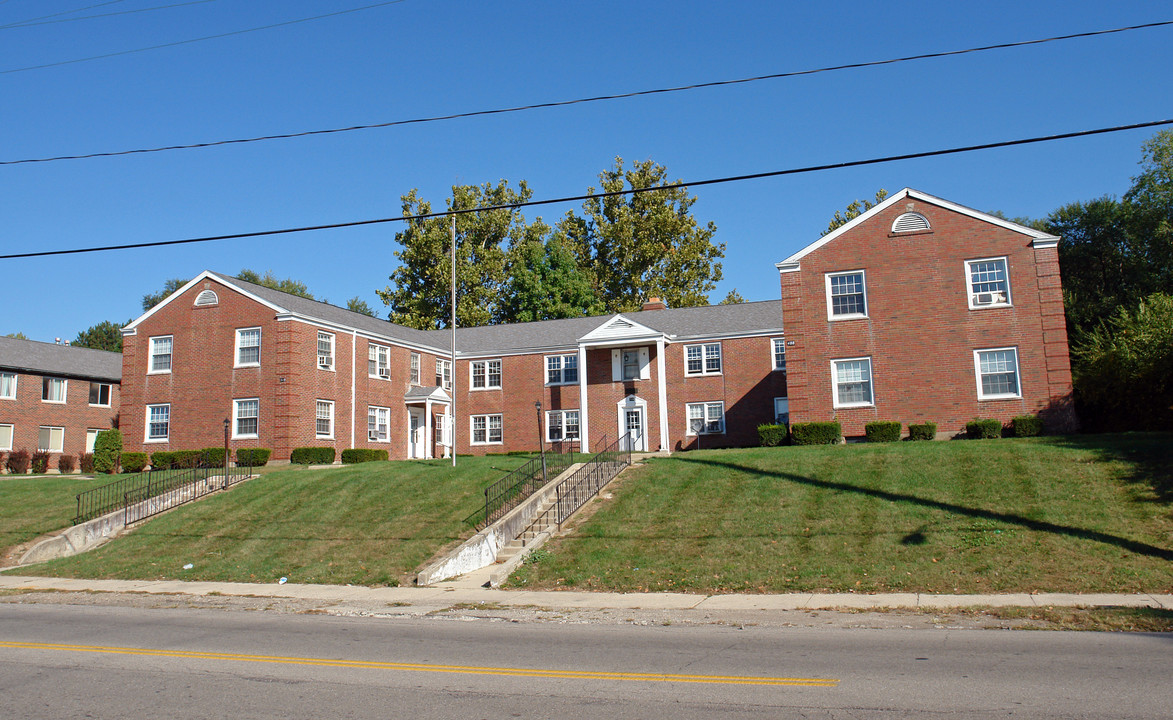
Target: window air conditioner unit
372,435
985,298
324,362
383,373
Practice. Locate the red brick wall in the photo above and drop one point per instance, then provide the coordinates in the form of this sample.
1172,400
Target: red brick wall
27,413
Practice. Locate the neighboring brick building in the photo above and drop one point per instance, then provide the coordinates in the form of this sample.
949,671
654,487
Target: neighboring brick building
56,397
924,310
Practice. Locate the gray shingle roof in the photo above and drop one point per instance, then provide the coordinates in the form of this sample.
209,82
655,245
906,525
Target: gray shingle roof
42,358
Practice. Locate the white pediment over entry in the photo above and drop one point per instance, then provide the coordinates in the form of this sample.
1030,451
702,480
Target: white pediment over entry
619,329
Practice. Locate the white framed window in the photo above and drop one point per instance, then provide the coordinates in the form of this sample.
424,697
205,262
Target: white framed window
846,295
160,354
486,374
486,429
631,364
325,350
702,359
6,437
379,361
100,394
378,419
91,438
444,428
561,425
158,423
248,347
851,382
51,439
54,390
778,354
997,373
782,411
7,386
988,282
444,373
561,369
415,368
324,420
706,418
248,418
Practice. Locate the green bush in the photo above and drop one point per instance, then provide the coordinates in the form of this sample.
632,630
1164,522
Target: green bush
816,433
253,457
925,431
186,458
361,455
772,435
40,462
66,464
133,462
312,456
85,462
212,457
1027,425
162,460
107,449
882,431
18,462
983,429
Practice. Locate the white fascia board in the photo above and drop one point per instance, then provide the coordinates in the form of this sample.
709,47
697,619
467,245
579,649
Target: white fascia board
625,341
606,336
205,275
385,339
979,215
515,352
764,332
846,227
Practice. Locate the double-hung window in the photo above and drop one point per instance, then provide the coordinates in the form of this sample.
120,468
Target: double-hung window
702,359
100,394
248,347
377,421
158,422
378,361
415,368
325,350
846,295
53,390
324,419
50,439
997,373
561,369
91,438
707,418
160,354
989,283
851,382
561,425
486,429
444,373
631,364
779,354
486,374
248,417
8,386
6,437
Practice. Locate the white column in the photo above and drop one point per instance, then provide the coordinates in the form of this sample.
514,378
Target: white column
584,442
661,362
428,454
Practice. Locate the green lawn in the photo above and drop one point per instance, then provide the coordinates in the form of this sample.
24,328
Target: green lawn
368,524
32,505
1076,514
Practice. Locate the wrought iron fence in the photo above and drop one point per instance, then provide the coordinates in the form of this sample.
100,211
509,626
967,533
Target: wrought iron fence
509,492
149,493
588,480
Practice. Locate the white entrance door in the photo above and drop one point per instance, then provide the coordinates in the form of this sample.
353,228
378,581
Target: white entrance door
633,425
415,438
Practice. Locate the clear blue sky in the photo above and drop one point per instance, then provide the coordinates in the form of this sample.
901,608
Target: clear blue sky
432,57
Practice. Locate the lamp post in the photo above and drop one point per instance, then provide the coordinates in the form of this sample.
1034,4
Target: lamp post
541,445
227,424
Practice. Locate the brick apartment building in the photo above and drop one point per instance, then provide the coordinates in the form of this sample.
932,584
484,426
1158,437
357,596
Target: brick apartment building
56,397
918,310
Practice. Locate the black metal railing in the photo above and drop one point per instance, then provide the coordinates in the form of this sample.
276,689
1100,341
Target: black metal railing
509,492
586,482
170,487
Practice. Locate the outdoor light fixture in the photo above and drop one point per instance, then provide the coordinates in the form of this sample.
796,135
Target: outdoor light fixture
541,445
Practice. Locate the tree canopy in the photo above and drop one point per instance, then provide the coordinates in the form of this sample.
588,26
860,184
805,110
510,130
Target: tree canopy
269,280
150,300
853,210
105,335
358,305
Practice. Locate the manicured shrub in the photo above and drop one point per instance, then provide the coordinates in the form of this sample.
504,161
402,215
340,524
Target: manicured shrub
361,455
772,435
816,433
212,457
184,459
66,464
983,429
924,431
18,462
253,457
107,449
312,456
133,462
162,460
882,431
3,455
85,462
40,462
1027,425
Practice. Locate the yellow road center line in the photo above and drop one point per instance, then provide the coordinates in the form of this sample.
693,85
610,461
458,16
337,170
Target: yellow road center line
426,667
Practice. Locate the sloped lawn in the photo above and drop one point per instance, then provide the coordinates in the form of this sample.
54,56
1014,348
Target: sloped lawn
32,505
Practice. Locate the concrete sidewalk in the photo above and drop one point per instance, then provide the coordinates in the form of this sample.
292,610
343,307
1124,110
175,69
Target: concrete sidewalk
466,590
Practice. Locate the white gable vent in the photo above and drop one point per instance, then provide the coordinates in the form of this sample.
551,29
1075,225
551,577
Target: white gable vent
620,324
911,222
207,297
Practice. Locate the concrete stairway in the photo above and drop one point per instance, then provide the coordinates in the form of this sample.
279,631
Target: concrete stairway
543,524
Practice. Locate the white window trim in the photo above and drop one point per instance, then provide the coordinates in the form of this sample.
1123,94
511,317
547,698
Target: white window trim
236,419
835,383
977,371
443,364
472,436
15,377
51,428
151,355
318,435
387,415
11,436
147,425
971,295
318,352
64,390
260,341
382,361
830,307
786,402
414,369
773,360
688,431
472,374
562,424
643,354
89,447
109,394
561,369
704,359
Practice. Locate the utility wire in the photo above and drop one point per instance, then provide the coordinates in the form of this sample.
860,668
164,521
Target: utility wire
597,98
45,21
615,193
68,12
199,39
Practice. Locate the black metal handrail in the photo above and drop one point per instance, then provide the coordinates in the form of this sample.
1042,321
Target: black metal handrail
179,484
586,482
507,493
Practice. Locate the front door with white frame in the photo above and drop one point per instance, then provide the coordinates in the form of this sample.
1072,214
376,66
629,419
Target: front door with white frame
415,437
633,415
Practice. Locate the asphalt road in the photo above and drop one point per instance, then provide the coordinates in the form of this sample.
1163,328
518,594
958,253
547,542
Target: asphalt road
59,661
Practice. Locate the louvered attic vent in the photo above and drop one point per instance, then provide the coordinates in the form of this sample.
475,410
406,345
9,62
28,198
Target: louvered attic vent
621,325
911,222
207,297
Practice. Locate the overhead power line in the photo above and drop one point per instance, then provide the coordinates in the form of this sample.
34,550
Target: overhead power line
578,198
46,21
578,101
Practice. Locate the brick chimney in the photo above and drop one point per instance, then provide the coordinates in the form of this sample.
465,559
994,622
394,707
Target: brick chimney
654,303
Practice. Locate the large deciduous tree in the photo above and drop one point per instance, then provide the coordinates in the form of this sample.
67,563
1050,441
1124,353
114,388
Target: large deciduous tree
545,282
271,281
105,335
853,210
150,300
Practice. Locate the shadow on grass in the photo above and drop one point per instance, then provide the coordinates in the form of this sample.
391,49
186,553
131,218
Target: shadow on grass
1150,455
1133,546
